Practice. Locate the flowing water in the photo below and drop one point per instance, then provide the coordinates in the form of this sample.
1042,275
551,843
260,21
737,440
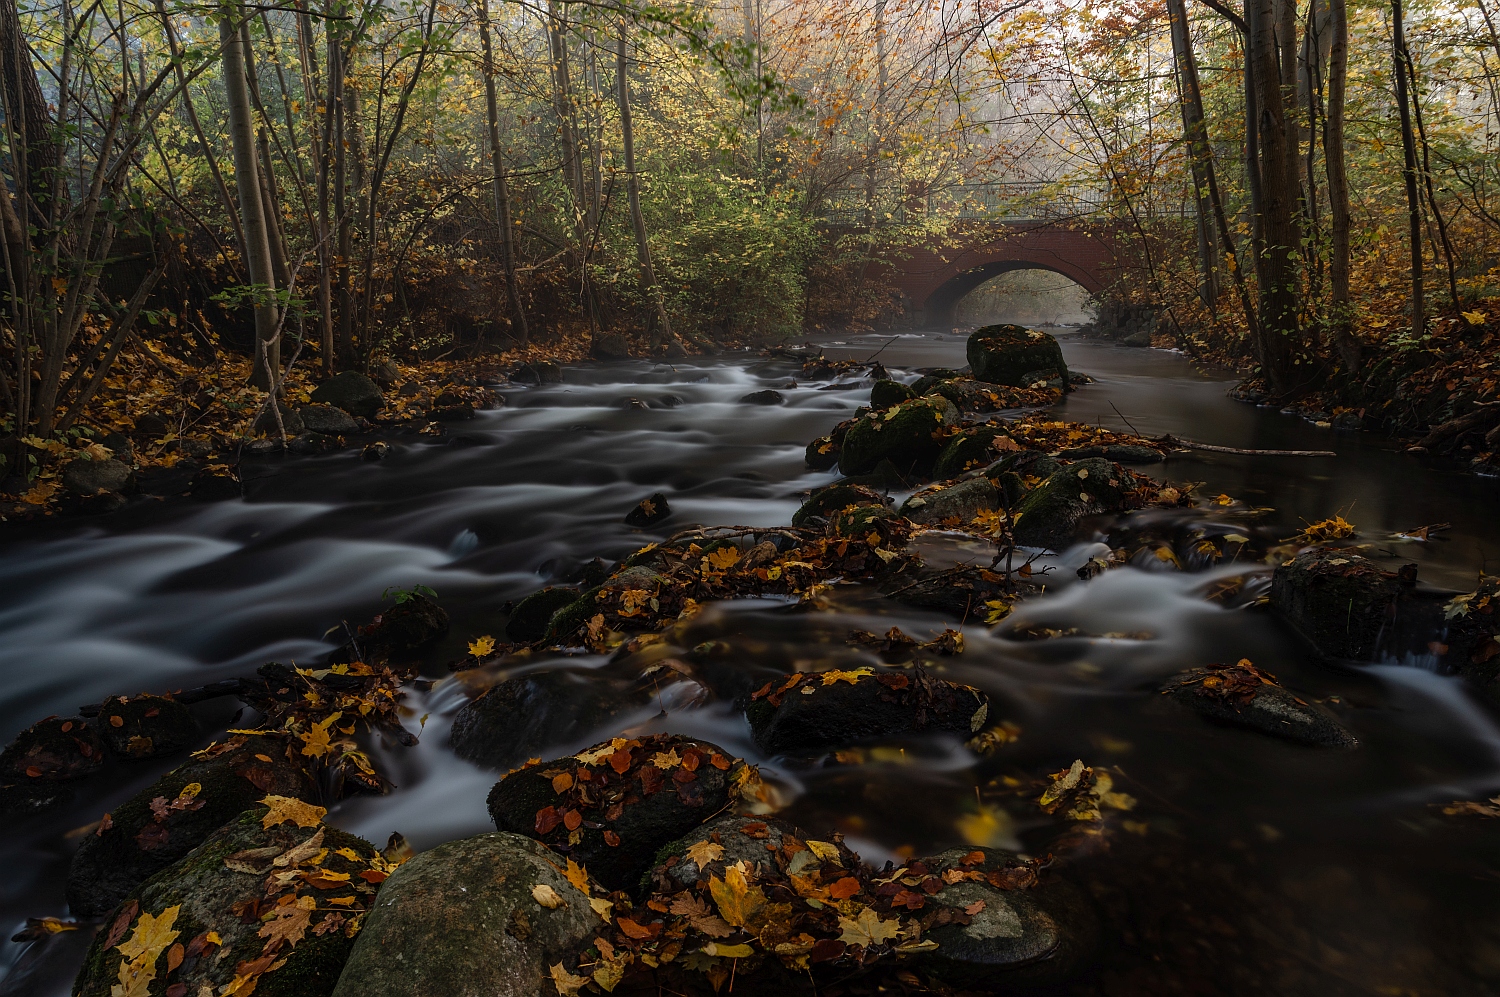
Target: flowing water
1248,866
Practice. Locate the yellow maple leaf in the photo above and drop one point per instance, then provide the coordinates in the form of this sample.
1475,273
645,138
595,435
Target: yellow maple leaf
666,759
824,850
853,676
316,742
723,559
482,646
567,984
141,950
577,875
39,493
1475,317
287,808
737,900
704,852
867,929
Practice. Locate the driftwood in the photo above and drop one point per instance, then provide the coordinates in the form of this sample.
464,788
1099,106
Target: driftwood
1453,428
1174,441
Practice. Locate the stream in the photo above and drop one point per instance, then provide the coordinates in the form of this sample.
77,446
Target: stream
1248,865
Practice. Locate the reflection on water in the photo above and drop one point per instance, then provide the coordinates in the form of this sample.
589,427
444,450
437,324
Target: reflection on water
1254,866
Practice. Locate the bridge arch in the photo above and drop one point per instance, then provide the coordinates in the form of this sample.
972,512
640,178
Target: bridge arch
941,304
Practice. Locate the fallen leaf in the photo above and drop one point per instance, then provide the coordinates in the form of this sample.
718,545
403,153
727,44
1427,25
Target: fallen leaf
728,951
704,852
287,808
151,937
482,646
578,876
567,984
867,929
638,931
737,900
546,896
288,925
700,917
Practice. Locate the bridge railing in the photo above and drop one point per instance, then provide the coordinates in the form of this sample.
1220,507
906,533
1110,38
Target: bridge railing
1003,201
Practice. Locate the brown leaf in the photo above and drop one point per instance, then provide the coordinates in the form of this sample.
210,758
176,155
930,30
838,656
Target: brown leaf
844,888
288,925
121,923
699,916
639,932
152,837
547,820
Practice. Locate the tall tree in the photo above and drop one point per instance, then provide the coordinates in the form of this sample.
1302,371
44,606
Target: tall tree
1341,308
1409,169
499,187
661,328
1279,239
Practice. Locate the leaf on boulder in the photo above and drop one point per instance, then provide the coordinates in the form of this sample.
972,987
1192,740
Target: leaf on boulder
737,900
287,808
867,929
288,925
704,852
546,896
567,984
151,937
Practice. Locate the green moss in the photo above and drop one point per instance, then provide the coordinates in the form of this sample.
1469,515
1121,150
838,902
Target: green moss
967,451
903,434
530,619
884,394
1006,354
572,616
822,454
827,501
1049,515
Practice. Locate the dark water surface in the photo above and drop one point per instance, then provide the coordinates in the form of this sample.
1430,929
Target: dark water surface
1248,865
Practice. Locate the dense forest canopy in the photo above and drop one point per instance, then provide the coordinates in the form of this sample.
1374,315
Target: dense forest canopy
270,191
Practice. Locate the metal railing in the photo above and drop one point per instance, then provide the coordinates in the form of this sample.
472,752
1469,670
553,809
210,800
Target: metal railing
1004,201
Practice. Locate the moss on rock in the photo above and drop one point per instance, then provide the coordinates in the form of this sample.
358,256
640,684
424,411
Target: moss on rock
1007,354
909,435
530,619
146,726
1048,516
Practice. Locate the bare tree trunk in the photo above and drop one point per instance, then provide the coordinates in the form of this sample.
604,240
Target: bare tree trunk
32,126
1341,310
501,189
562,105
1437,213
1409,171
1278,291
661,329
322,138
1194,129
252,207
877,120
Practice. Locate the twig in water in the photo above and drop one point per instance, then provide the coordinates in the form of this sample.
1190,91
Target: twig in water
877,353
1173,440
1125,420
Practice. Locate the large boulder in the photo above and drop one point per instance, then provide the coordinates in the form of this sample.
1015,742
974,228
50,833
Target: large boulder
610,346
83,476
1241,695
962,502
486,916
526,715
171,817
824,502
884,394
970,450
909,435
613,806
146,726
1048,516
351,391
1342,601
810,712
269,902
328,419
1010,354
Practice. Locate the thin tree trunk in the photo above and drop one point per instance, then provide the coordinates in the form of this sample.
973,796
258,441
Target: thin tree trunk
1409,170
1437,214
501,188
661,329
562,106
321,155
252,208
36,151
1341,310
1194,128
1278,292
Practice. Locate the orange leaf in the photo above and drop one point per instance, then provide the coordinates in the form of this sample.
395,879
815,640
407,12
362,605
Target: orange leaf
638,931
844,888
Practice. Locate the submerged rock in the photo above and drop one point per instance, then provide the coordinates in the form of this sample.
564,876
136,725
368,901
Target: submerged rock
766,396
146,726
485,916
526,715
216,483
824,502
353,392
1009,354
1243,696
649,511
963,502
907,435
613,806
528,621
1048,516
271,909
809,712
1342,601
168,819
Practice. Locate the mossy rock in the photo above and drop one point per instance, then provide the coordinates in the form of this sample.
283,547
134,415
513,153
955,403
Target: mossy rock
963,501
1473,620
1011,488
1007,354
526,715
906,435
1049,516
464,920
566,621
146,726
529,620
134,843
57,749
1026,463
934,376
822,454
1340,600
884,394
401,633
1270,709
826,501
619,802
858,521
212,897
803,714
967,451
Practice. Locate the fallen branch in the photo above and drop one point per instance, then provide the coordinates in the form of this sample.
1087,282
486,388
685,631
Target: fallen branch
1170,440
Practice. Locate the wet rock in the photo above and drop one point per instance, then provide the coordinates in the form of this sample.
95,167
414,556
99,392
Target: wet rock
857,521
293,949
1027,463
1348,421
146,726
884,394
1008,354
57,749
963,501
960,591
83,476
811,712
462,920
98,504
822,454
452,413
174,480
1343,602
903,434
379,450
32,796
152,425
215,483
353,392
385,373
1049,515
1472,625
826,501
168,819
527,715
768,396
119,444
310,444
529,620
968,451
614,806
1119,453
525,373
328,419
403,631
548,371
675,869
649,511
567,621
1034,936
1240,696
291,421
610,346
